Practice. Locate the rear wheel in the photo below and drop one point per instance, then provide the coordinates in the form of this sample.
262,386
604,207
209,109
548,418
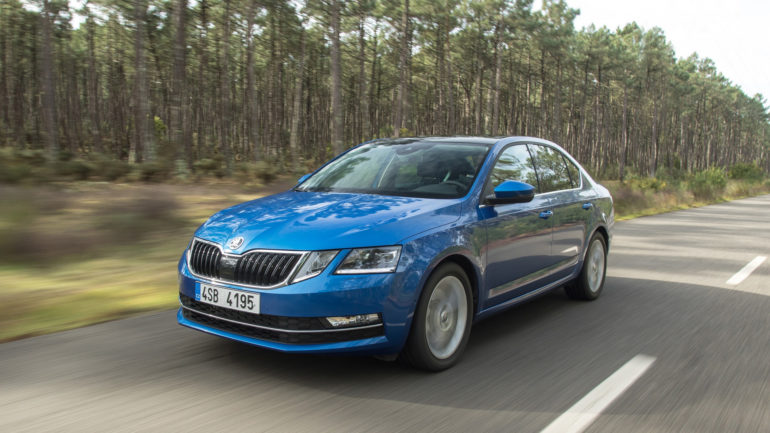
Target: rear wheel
442,322
589,284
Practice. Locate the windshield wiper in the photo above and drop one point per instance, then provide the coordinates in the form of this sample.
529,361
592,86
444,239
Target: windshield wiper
313,189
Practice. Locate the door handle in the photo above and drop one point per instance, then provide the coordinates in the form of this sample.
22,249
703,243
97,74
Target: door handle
546,214
587,206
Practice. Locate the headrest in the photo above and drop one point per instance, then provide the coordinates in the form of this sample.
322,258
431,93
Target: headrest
431,167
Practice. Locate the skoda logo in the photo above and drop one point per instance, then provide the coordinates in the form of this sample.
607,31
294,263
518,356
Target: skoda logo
235,243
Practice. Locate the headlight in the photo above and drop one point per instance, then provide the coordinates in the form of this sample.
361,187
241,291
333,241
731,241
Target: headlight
377,260
315,263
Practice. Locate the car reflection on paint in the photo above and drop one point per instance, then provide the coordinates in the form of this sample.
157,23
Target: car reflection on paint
396,247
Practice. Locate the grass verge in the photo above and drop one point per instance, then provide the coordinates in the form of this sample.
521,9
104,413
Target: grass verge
643,198
82,253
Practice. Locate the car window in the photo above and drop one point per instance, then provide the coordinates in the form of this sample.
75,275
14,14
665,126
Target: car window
551,169
515,163
574,173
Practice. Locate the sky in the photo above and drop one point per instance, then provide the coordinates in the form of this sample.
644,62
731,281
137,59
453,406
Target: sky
735,34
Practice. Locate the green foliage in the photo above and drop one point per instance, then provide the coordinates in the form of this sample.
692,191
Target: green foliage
646,183
262,171
166,151
37,225
106,168
210,167
708,184
154,171
12,170
138,218
25,166
744,171
28,156
75,169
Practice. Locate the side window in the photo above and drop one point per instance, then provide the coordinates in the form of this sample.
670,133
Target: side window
574,173
515,163
551,169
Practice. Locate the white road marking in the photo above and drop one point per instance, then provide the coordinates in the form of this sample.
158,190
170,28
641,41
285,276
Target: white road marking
588,408
746,271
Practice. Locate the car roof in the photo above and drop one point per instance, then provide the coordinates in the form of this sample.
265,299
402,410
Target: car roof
461,139
448,140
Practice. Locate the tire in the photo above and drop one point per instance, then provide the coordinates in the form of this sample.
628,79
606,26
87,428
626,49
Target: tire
439,334
589,284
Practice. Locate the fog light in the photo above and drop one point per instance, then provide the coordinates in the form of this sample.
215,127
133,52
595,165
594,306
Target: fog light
357,320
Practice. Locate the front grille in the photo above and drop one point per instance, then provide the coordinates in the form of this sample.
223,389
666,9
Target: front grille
258,268
264,268
206,260
314,329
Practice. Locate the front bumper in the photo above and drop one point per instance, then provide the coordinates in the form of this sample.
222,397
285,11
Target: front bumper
290,316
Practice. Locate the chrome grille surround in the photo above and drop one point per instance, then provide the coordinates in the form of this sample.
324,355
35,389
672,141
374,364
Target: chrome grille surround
258,268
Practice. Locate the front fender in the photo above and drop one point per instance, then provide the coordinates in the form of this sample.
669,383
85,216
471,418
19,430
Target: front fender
428,251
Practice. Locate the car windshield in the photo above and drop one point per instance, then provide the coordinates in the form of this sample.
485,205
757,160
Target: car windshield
413,169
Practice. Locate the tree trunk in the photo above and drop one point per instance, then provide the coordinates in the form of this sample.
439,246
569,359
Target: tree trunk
336,107
496,83
178,120
479,99
50,121
654,159
5,100
543,127
225,116
557,104
297,104
440,119
403,63
372,114
141,147
451,122
93,87
202,85
363,106
252,132
624,150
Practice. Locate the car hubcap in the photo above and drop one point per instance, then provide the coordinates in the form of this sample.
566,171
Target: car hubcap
595,266
446,317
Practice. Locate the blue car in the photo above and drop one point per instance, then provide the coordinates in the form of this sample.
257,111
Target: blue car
397,246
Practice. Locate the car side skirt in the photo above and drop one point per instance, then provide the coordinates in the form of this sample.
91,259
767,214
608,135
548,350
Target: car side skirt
525,297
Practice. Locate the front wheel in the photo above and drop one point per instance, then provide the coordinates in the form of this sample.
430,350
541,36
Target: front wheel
442,321
589,284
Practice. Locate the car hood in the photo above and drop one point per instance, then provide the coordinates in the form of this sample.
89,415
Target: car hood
296,220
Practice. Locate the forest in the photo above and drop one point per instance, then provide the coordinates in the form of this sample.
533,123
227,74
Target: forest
212,86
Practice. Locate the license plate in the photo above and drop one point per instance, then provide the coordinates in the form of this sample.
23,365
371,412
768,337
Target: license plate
227,298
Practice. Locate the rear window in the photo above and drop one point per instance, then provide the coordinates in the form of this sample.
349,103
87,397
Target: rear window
551,169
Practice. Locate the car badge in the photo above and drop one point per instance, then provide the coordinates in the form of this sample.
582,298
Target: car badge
235,243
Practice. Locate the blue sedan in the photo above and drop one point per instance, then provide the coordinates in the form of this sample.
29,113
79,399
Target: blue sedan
397,246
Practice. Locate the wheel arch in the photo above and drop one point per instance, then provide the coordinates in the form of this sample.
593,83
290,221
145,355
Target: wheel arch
603,231
470,271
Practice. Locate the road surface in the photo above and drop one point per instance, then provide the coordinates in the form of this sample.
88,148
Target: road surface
670,346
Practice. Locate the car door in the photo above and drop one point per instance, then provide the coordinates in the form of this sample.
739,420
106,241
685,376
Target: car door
518,244
569,216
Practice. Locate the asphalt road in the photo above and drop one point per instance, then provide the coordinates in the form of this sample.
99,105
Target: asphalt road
666,297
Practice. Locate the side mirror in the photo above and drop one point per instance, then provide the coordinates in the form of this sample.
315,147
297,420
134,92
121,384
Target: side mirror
303,178
511,191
